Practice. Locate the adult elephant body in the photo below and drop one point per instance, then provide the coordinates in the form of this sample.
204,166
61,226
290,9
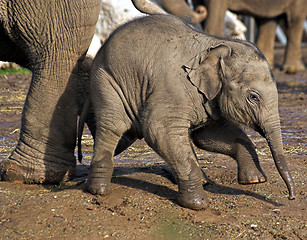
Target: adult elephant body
267,13
50,37
157,78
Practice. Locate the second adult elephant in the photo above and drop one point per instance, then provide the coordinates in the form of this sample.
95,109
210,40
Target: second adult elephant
266,14
188,87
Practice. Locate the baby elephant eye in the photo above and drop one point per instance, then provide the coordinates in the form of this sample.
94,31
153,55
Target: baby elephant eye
253,97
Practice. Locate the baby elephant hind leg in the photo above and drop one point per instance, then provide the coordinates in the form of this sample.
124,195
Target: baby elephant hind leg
101,168
174,146
227,138
110,128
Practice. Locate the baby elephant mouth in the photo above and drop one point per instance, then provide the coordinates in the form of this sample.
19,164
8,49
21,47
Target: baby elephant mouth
258,129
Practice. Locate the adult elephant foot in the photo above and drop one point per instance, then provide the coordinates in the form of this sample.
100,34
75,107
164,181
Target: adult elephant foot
294,67
37,165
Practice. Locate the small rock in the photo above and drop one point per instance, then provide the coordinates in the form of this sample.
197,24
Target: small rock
276,210
254,225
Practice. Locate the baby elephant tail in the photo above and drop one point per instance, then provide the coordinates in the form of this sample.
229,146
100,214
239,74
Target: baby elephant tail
82,119
146,6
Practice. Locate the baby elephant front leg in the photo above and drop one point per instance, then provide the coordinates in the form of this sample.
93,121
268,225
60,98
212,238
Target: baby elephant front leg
175,148
226,138
191,194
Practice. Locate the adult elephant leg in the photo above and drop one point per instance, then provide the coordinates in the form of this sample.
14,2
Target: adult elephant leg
227,138
266,38
293,54
45,151
172,143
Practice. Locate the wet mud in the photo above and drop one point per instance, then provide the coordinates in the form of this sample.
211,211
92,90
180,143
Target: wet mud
142,204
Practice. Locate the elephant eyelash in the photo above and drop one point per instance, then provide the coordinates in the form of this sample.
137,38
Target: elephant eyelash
254,98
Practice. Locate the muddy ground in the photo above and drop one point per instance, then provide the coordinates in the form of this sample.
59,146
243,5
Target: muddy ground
142,203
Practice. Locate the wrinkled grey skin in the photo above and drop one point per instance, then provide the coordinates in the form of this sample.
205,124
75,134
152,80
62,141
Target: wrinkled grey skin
50,38
158,79
267,14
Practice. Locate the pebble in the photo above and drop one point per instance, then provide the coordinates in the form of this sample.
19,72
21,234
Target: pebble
276,210
254,225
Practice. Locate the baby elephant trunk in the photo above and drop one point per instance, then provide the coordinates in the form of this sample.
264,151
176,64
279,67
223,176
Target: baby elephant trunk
273,137
283,170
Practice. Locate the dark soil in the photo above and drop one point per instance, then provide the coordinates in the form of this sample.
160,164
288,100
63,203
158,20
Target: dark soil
142,203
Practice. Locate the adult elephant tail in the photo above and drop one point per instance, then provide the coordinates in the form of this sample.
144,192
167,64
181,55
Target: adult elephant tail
146,6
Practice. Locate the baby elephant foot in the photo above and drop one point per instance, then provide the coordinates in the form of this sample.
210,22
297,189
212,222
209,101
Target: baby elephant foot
191,195
251,177
97,186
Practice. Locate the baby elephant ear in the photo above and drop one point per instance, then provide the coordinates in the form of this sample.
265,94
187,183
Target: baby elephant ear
205,70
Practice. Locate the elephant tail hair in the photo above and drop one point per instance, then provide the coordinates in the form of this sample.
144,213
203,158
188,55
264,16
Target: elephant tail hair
82,119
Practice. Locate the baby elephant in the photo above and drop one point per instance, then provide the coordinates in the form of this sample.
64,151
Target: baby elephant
158,79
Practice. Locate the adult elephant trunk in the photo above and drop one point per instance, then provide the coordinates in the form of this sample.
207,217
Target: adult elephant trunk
181,9
146,6
272,132
178,8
